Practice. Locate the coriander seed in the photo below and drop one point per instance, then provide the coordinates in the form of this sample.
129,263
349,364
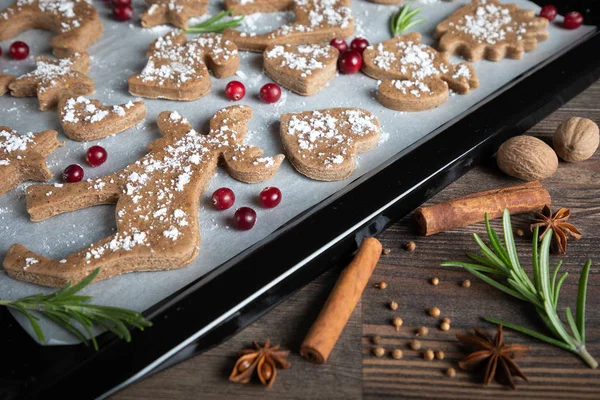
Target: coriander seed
397,354
446,319
434,312
435,281
439,355
415,344
394,305
378,351
410,246
445,326
466,283
451,372
397,322
381,285
423,331
385,252
428,355
376,339
520,232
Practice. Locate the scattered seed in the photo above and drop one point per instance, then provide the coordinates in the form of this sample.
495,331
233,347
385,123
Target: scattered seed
381,285
397,322
394,305
466,283
434,312
435,281
439,355
410,246
378,351
519,232
446,320
385,252
428,355
415,344
445,326
423,331
397,354
451,372
376,339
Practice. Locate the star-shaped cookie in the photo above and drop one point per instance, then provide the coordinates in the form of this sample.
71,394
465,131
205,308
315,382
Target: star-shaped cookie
414,76
53,79
174,12
492,30
177,67
23,157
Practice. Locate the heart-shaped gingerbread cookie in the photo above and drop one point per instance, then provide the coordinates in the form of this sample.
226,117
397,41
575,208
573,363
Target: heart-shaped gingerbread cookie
414,76
323,144
304,69
83,119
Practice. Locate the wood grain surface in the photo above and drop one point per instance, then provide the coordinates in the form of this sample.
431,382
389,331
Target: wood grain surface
354,372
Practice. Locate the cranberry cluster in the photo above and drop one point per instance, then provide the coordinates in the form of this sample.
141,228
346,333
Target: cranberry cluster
95,156
245,217
572,20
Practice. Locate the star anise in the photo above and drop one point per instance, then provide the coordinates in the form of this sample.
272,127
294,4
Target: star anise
264,360
497,356
560,227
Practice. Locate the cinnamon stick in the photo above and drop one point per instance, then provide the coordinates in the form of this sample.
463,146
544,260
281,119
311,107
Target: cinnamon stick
531,196
325,331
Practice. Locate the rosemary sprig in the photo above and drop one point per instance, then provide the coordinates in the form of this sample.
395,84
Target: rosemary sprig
403,19
69,310
543,291
215,24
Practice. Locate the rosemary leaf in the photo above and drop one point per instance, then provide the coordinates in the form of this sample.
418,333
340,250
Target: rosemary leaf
216,23
543,292
70,311
404,19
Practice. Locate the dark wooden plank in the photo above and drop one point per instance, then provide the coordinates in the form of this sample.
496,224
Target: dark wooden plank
553,373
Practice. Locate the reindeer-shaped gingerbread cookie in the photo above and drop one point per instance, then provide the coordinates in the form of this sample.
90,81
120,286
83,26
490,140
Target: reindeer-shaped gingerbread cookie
157,200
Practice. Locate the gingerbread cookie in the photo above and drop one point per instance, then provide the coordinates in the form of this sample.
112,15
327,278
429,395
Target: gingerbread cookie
490,29
54,79
84,119
387,1
414,76
304,69
323,144
157,201
76,22
316,21
23,157
174,12
5,80
177,67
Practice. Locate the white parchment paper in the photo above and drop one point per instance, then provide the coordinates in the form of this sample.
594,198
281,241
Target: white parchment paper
121,52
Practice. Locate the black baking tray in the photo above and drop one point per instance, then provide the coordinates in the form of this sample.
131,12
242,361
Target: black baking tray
301,250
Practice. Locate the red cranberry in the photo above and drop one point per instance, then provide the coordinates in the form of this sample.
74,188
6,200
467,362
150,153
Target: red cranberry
350,62
359,44
121,2
339,44
270,197
549,12
223,198
73,173
244,218
235,90
270,93
96,155
123,12
19,50
573,20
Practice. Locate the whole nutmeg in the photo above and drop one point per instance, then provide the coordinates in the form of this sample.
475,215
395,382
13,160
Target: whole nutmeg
576,139
527,158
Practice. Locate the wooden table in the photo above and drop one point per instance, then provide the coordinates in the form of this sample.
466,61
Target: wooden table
354,372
